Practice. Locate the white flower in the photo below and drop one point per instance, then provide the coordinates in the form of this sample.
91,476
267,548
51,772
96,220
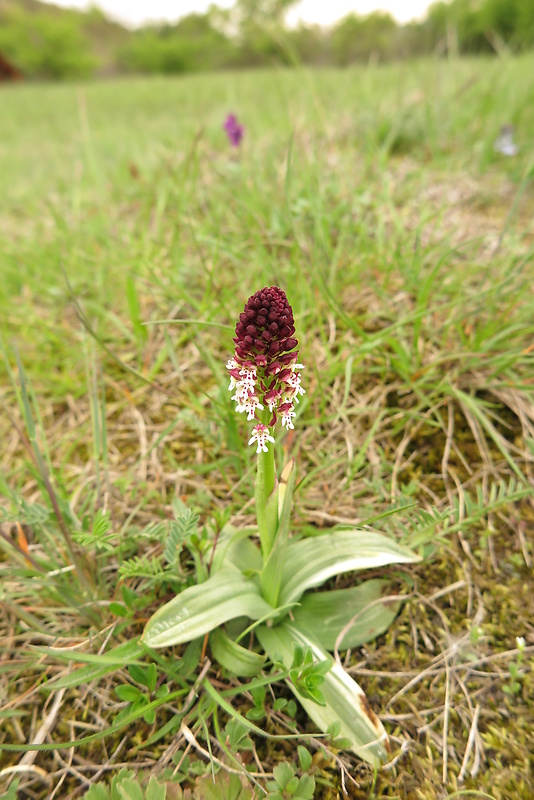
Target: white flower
520,642
271,398
294,389
287,421
261,435
232,364
242,392
249,377
256,387
247,401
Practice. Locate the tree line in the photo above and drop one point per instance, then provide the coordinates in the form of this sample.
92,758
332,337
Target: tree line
47,42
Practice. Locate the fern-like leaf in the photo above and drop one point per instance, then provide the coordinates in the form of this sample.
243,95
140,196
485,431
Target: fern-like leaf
141,567
180,531
501,493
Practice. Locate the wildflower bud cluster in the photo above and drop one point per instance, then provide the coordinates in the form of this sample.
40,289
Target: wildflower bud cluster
264,373
234,130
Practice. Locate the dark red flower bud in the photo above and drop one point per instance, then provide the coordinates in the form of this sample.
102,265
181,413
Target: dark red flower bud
285,407
265,327
273,368
288,358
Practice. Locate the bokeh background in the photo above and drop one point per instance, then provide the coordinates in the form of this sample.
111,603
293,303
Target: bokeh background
46,41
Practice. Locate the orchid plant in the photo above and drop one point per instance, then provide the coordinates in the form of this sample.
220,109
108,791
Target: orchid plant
234,130
259,579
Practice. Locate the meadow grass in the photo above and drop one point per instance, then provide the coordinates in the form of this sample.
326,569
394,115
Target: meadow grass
131,237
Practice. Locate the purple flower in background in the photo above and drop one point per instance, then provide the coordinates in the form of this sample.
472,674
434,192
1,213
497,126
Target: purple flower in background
234,130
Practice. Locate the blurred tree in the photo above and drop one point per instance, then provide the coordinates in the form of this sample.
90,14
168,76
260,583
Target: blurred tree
477,26
46,41
193,44
358,38
261,31
263,11
308,44
45,47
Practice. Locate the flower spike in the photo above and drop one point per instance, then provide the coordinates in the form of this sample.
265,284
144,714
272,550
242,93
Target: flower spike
234,130
264,371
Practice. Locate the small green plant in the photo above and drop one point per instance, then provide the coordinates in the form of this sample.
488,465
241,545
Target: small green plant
137,698
126,785
513,687
286,785
268,584
223,786
257,712
307,674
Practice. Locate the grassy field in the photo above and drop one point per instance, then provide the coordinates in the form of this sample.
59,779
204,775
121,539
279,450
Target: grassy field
130,239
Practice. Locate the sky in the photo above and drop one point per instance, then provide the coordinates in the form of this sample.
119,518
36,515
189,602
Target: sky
322,12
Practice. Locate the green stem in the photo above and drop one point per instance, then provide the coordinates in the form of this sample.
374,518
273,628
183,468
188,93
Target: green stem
266,513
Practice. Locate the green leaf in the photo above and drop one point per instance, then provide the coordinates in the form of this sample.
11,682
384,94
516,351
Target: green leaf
108,662
152,677
121,777
237,736
255,714
305,789
155,790
181,530
223,787
96,792
64,654
236,659
129,790
291,787
138,674
305,758
134,308
118,609
283,773
310,562
307,674
128,595
235,547
203,607
346,703
326,614
128,693
232,712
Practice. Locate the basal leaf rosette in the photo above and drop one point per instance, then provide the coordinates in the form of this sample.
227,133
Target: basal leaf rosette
264,371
